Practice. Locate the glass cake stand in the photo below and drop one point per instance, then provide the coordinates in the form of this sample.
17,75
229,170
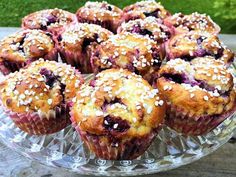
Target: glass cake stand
65,149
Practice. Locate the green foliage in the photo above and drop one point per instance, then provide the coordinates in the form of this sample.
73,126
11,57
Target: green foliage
222,11
228,9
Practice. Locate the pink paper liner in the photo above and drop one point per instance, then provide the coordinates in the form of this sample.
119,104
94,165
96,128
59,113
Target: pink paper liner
38,124
103,148
126,150
182,122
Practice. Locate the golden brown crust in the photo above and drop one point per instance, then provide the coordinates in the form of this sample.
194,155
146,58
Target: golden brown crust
145,9
192,22
190,45
73,37
148,26
40,87
77,43
25,45
118,102
101,13
49,20
134,52
202,87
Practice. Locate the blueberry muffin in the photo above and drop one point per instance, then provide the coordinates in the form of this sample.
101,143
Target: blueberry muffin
101,13
77,43
134,52
200,94
194,22
118,114
51,20
38,98
24,47
148,26
191,45
145,9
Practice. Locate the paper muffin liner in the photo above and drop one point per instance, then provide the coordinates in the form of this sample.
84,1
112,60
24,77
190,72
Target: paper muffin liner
126,149
181,121
79,60
41,123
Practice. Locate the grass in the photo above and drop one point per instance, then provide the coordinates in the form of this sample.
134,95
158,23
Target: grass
11,11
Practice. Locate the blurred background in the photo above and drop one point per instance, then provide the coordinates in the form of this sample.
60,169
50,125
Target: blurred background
222,12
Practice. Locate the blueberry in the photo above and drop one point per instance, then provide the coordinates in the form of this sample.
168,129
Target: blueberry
115,124
50,77
153,14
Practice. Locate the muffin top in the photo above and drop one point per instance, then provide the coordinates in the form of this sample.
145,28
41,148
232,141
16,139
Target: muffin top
201,87
134,52
48,19
101,11
79,37
190,45
193,22
118,103
145,9
25,45
41,87
148,26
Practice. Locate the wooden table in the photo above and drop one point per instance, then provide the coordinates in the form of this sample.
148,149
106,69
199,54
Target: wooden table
221,163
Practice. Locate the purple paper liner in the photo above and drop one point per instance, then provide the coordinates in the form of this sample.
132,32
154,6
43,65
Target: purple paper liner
103,148
41,124
182,122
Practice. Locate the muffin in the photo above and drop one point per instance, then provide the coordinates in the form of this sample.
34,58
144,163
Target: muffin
118,115
194,22
77,43
101,13
191,45
38,98
24,47
200,94
134,52
145,9
148,26
51,20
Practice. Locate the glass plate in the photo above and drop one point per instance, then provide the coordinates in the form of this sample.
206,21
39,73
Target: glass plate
66,150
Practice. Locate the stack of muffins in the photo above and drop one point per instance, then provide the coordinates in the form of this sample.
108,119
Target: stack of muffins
150,68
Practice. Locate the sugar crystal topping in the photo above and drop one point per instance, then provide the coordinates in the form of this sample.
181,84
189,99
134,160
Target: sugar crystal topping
214,71
27,88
